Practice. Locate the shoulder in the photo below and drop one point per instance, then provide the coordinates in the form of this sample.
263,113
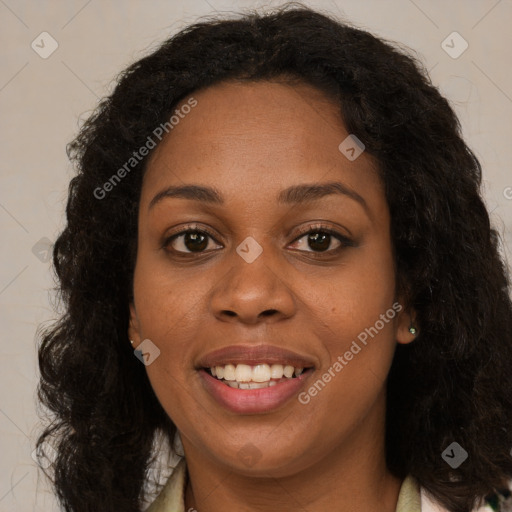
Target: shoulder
172,494
499,502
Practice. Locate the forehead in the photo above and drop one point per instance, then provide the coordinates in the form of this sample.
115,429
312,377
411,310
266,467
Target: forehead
259,137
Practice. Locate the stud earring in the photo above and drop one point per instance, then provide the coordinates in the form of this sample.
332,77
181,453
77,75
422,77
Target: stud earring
131,341
412,330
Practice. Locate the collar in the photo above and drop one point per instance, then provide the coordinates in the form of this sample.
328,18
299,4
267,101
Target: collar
172,496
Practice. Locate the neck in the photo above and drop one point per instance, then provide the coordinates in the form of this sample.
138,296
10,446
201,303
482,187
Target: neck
352,477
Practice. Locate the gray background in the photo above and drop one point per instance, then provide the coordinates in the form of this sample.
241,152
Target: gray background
43,101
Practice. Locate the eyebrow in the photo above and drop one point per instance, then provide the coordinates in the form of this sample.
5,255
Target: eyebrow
292,195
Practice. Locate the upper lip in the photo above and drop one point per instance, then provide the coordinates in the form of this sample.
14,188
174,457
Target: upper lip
254,354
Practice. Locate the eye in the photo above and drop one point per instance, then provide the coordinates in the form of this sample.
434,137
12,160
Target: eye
191,240
320,239
316,239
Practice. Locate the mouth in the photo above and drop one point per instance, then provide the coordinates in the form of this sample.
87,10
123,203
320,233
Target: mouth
254,379
259,376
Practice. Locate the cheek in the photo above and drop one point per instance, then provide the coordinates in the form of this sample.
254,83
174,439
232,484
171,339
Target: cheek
359,346
168,304
356,294
357,314
165,296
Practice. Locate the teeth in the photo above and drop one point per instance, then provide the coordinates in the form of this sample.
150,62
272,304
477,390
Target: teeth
258,385
276,371
261,373
250,385
288,371
244,376
229,372
243,373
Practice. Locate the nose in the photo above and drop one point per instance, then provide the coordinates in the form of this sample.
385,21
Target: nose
252,293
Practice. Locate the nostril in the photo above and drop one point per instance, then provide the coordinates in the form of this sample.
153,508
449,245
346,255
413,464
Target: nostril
269,312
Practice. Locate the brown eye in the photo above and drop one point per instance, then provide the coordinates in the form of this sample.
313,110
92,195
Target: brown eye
318,242
191,241
321,240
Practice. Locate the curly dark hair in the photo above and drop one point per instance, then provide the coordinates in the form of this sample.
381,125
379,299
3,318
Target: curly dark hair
454,383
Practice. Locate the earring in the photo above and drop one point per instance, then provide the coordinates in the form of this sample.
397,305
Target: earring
412,330
131,341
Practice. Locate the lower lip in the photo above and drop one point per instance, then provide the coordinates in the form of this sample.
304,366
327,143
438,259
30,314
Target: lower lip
253,401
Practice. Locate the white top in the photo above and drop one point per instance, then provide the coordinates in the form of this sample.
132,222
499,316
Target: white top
411,498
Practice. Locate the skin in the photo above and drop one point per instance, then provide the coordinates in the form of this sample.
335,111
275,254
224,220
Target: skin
250,141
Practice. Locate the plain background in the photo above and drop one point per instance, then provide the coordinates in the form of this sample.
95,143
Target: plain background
44,100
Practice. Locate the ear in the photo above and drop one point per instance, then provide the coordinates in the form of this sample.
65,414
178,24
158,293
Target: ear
405,320
133,327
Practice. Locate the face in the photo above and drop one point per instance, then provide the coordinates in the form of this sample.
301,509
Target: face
268,268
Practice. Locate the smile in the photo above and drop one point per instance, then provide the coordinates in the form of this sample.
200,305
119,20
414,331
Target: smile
254,379
244,376
249,396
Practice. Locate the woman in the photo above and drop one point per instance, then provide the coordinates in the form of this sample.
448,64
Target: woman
278,217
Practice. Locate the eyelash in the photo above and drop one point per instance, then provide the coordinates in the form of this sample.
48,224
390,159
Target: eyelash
316,228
